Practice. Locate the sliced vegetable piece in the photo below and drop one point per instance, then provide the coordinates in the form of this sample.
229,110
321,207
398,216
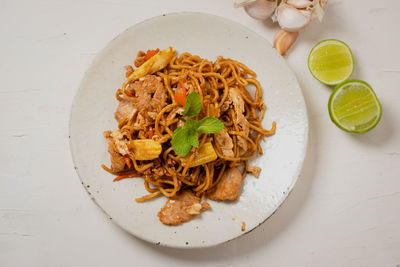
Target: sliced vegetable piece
154,64
124,176
145,149
181,94
128,161
151,132
151,53
205,154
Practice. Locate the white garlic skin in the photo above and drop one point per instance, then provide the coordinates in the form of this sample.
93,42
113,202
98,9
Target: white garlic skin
261,9
292,19
300,3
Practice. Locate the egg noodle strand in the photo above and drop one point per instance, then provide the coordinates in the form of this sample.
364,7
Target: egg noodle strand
212,81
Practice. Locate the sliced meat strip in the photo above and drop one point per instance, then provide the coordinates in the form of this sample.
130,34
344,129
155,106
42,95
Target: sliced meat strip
224,141
120,144
241,121
229,186
183,207
125,108
150,93
254,170
117,160
235,101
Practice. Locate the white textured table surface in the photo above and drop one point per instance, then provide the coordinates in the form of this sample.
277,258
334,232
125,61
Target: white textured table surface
344,210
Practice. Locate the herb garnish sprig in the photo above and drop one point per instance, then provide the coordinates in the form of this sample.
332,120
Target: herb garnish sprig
186,137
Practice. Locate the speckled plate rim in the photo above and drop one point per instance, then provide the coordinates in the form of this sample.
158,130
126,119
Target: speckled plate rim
279,203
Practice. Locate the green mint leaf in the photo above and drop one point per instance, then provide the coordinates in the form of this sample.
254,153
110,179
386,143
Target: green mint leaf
192,124
192,105
180,141
210,125
193,138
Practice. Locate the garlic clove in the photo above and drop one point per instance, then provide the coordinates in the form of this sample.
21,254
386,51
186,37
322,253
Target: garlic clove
292,19
284,40
261,9
300,3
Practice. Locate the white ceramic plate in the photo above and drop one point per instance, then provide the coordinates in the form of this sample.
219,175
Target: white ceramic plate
208,36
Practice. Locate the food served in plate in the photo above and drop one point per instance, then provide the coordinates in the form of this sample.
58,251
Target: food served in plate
188,127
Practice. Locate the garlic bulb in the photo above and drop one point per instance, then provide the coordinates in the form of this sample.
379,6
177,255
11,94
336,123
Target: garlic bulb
294,15
258,9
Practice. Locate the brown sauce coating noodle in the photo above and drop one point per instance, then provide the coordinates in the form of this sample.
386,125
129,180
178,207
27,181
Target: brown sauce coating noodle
212,81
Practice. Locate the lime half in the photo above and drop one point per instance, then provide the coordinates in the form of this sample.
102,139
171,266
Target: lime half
354,107
331,62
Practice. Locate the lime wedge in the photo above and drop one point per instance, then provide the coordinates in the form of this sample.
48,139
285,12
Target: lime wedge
354,107
331,62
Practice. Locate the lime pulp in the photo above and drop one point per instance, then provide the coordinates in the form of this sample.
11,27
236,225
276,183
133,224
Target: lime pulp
331,62
354,107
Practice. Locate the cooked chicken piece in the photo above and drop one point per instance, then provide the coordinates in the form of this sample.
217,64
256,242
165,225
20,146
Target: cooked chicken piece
157,170
151,95
117,160
235,99
139,59
183,207
224,141
120,144
140,120
229,186
226,105
254,170
194,209
125,108
243,124
241,121
152,114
